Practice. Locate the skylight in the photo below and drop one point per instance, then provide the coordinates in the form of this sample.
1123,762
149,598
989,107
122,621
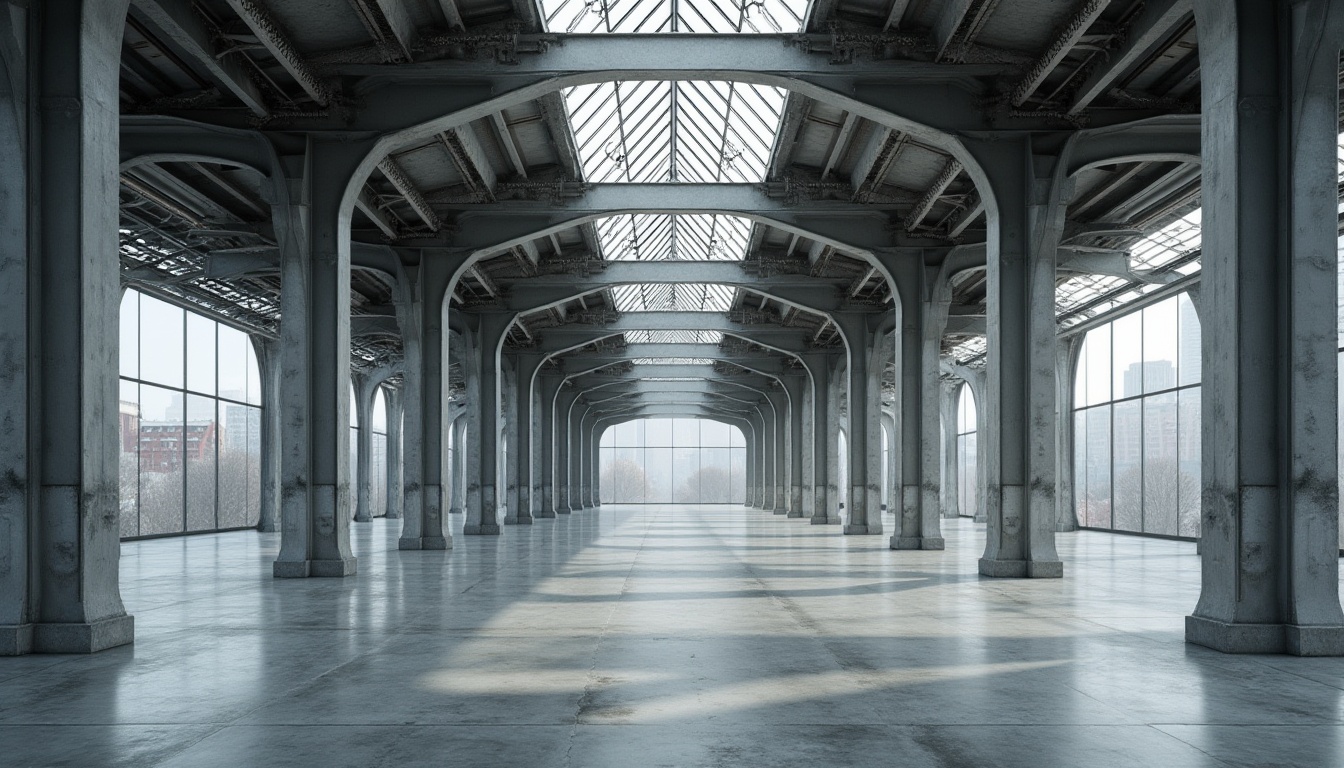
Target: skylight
650,16
684,297
663,237
673,337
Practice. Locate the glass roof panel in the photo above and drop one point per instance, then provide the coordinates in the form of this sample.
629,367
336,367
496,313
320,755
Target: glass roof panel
672,237
673,337
682,297
650,16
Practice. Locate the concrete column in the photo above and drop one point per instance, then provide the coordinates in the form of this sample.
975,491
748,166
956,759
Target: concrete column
564,400
749,433
483,515
59,295
313,236
770,451
823,436
795,386
460,450
520,452
1025,224
950,472
864,389
1066,362
594,466
393,400
586,451
923,318
808,413
548,387
535,459
363,405
575,457
1270,503
420,313
268,363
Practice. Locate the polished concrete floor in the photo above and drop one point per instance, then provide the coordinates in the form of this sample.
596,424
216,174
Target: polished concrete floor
665,636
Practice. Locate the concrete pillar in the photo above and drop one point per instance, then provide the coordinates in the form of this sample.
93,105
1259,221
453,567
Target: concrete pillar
420,314
548,386
950,472
365,391
770,456
564,400
520,451
808,414
923,317
1270,503
594,464
1066,362
575,454
864,390
795,386
823,437
1025,225
59,295
752,469
268,364
483,514
313,236
535,459
461,448
394,405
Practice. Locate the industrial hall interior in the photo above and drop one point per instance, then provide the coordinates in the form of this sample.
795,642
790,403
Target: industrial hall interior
622,383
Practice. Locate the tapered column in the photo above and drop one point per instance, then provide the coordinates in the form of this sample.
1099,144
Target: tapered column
1025,228
795,386
363,405
313,237
594,462
575,462
59,294
564,399
525,365
393,398
420,314
950,472
483,515
1269,541
865,445
824,506
548,387
770,462
268,364
461,449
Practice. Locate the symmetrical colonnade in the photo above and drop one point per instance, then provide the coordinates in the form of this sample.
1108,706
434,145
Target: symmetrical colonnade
1266,140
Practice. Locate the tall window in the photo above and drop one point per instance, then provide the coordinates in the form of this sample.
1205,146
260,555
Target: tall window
968,493
190,422
673,461
378,458
1137,422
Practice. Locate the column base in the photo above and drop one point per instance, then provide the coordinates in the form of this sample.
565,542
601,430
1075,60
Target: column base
83,637
563,510
822,520
796,514
267,528
862,530
1021,569
393,516
454,510
425,542
364,519
303,569
16,639
483,529
781,511
1294,639
918,542
527,520
546,514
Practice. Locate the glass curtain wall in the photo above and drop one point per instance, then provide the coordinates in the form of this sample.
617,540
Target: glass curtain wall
190,422
1137,422
968,491
673,461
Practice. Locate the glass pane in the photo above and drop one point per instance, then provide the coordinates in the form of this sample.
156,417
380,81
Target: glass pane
736,439
969,478
234,494
129,321
1080,467
160,461
1189,455
605,459
715,478
1080,375
1098,502
1190,342
351,472
200,354
234,354
354,412
608,438
378,477
1127,352
379,412
128,415
1161,476
1099,365
1159,346
201,438
627,476
658,433
1127,457
161,339
966,416
658,472
627,435
686,433
713,434
685,472
737,472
